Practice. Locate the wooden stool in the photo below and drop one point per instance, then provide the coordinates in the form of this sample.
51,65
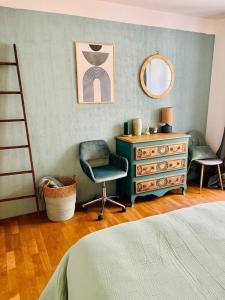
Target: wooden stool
210,162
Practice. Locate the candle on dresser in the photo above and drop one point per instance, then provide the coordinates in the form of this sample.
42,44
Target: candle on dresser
137,126
126,130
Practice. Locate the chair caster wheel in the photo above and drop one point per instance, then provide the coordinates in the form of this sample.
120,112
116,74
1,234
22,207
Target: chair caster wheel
84,208
124,209
100,217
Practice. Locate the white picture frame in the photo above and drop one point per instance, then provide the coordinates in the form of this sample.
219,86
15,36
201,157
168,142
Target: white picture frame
95,73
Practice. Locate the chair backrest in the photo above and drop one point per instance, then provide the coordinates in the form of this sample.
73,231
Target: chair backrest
197,148
96,149
197,138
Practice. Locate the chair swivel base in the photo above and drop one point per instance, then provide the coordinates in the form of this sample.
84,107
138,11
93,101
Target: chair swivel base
103,200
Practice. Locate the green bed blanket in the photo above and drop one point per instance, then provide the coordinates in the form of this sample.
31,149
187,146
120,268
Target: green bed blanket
175,256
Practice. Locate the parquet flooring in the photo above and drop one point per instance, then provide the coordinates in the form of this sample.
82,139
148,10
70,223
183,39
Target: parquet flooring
31,247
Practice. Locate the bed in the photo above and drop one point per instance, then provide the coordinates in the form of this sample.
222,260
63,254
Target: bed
175,256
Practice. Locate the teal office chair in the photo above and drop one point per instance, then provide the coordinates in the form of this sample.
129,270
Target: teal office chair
116,167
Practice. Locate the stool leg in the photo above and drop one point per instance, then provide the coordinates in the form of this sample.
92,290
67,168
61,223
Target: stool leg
201,179
219,173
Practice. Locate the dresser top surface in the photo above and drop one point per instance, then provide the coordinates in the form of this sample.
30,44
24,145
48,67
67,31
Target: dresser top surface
152,137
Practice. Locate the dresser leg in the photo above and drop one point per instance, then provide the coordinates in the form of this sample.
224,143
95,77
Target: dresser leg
184,189
132,201
131,204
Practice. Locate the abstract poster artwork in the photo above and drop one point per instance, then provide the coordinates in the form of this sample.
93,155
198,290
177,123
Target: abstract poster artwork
95,73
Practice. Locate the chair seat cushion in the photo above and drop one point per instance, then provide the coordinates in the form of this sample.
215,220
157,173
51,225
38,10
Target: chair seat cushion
107,173
209,162
202,152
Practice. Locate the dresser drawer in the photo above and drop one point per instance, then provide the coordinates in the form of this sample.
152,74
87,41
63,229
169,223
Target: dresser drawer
160,150
160,166
159,183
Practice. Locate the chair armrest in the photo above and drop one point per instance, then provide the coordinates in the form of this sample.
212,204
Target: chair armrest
86,167
118,161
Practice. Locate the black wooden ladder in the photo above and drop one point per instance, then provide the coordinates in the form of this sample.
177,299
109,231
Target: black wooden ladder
27,145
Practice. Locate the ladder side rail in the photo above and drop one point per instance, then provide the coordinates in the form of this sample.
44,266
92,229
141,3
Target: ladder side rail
26,126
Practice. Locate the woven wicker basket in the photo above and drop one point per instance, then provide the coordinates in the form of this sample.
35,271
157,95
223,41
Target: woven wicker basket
60,201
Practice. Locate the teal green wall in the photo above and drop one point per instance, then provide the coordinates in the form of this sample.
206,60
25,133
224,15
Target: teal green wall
57,123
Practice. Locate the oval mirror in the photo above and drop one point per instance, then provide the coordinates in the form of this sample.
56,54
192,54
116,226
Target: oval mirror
157,76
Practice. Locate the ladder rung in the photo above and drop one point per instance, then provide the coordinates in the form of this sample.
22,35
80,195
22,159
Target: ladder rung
12,120
18,198
9,92
16,173
5,63
14,147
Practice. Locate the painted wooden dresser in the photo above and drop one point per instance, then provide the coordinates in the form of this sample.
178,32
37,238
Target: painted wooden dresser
157,164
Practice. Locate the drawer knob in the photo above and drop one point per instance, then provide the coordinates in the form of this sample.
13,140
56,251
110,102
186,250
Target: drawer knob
162,166
163,150
162,182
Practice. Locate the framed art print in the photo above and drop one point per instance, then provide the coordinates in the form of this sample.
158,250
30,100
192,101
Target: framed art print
95,73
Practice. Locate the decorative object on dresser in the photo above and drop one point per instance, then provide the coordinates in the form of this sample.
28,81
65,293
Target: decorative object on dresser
147,130
157,76
126,129
157,164
153,130
95,61
167,119
137,126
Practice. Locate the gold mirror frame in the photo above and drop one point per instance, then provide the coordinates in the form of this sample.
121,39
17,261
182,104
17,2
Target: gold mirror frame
144,87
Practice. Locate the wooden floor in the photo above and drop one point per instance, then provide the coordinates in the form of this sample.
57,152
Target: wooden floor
31,247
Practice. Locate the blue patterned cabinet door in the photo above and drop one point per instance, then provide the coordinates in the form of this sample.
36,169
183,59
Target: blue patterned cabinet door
157,164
